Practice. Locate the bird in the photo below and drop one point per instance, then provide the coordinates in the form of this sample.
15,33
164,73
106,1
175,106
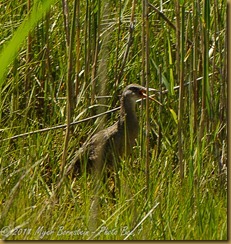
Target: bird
107,146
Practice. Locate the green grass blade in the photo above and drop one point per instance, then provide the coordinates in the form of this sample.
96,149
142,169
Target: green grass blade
10,50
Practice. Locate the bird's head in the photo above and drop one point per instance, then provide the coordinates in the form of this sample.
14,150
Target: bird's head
130,95
134,92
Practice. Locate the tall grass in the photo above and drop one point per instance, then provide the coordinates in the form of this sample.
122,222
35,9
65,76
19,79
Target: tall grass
68,60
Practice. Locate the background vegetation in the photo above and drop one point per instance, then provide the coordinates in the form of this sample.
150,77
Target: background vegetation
63,61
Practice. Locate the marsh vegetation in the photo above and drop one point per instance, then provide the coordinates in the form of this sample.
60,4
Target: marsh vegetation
65,61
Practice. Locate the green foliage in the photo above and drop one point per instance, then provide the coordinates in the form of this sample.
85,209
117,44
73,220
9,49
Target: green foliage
11,49
35,64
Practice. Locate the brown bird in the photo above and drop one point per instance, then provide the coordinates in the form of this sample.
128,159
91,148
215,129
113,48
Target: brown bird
108,145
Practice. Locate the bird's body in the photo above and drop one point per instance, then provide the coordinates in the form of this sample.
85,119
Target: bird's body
108,145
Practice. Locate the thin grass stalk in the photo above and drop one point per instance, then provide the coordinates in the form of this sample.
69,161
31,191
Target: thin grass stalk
191,108
226,66
102,54
69,88
59,126
160,112
195,63
163,16
48,64
43,84
146,78
206,31
147,101
181,91
224,71
96,49
66,20
87,47
142,74
28,53
16,93
48,50
205,110
179,58
171,76
224,55
45,72
118,45
205,67
213,52
78,28
129,43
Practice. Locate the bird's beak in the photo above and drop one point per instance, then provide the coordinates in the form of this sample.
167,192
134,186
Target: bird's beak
143,92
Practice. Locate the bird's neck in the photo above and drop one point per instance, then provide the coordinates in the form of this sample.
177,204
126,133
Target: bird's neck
128,113
128,125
